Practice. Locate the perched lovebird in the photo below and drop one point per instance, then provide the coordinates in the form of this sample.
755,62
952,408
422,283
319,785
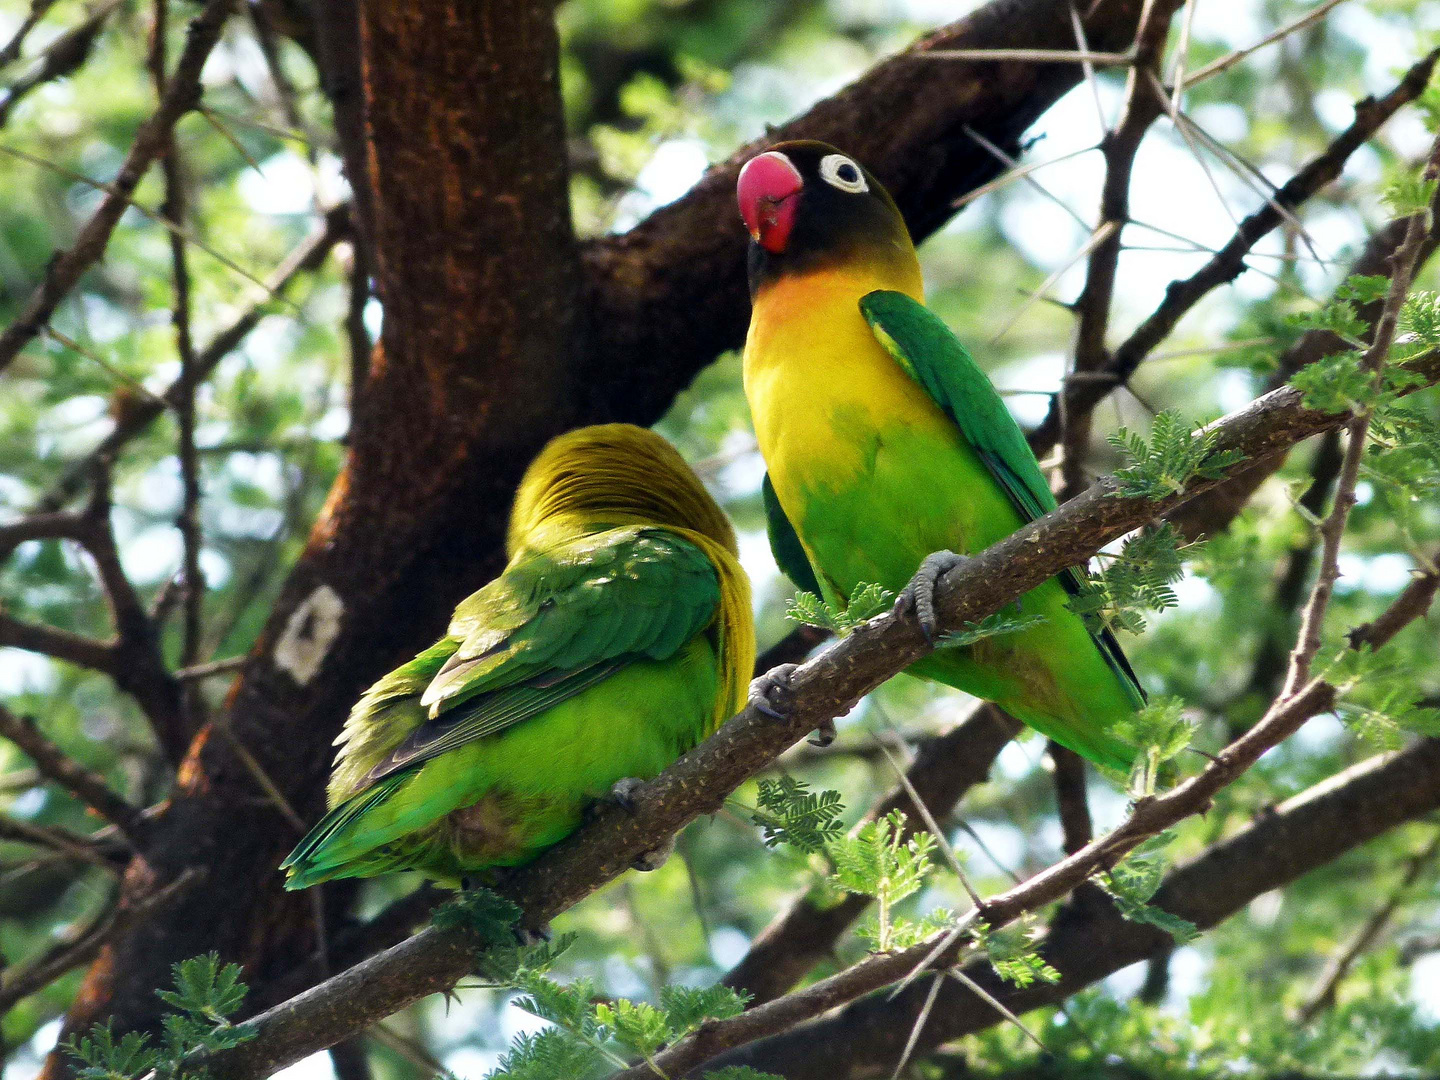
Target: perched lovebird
885,443
618,637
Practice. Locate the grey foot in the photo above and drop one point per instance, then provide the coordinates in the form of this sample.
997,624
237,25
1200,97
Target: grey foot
770,693
654,858
770,696
919,595
622,792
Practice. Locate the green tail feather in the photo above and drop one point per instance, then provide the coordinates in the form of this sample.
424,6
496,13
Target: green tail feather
312,861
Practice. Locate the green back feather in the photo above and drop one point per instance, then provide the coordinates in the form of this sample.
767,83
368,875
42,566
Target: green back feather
929,353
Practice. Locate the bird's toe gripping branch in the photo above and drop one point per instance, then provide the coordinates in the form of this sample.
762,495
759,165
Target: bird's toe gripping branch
918,598
622,794
770,695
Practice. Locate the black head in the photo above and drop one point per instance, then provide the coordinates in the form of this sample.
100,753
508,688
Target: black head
808,205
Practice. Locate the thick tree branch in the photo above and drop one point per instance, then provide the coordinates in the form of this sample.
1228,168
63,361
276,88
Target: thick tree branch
825,687
65,269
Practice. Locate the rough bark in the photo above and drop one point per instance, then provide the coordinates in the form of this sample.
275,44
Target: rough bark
471,217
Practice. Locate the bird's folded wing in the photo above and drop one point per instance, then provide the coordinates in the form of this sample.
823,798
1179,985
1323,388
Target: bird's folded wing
785,544
556,623
924,347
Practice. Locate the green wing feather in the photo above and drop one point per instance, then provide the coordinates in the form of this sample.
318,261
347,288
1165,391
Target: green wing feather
924,347
553,624
785,544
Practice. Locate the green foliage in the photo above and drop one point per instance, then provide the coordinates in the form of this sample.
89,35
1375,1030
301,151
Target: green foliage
1172,457
488,916
1409,194
1011,952
790,813
1160,732
903,934
1137,580
549,1055
740,1072
1420,316
880,863
1136,880
1379,697
869,600
1336,384
1363,288
507,963
1007,621
206,994
590,1036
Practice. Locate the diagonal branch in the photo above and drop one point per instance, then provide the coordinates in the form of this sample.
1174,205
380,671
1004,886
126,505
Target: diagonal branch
66,267
825,687
1151,816
87,786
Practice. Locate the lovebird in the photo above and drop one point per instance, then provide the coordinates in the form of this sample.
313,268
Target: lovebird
618,637
888,450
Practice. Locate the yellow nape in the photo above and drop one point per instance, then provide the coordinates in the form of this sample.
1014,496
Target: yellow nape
619,475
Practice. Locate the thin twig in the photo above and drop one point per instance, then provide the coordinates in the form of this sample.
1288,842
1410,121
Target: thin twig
1229,262
1228,61
1034,56
67,266
1323,996
87,786
82,943
1332,530
306,258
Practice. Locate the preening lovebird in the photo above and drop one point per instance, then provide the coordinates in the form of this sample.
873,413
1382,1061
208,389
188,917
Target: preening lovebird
618,636
888,450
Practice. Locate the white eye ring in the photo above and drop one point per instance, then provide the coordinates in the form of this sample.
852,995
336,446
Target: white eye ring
839,171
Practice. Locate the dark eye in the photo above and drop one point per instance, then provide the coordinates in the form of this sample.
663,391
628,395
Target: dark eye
839,171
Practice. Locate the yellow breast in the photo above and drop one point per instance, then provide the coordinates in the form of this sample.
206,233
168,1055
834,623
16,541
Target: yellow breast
817,379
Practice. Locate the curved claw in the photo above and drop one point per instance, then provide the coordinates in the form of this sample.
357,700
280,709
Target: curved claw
622,793
919,595
824,734
770,693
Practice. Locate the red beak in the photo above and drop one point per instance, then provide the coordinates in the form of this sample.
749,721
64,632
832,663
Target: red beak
766,192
